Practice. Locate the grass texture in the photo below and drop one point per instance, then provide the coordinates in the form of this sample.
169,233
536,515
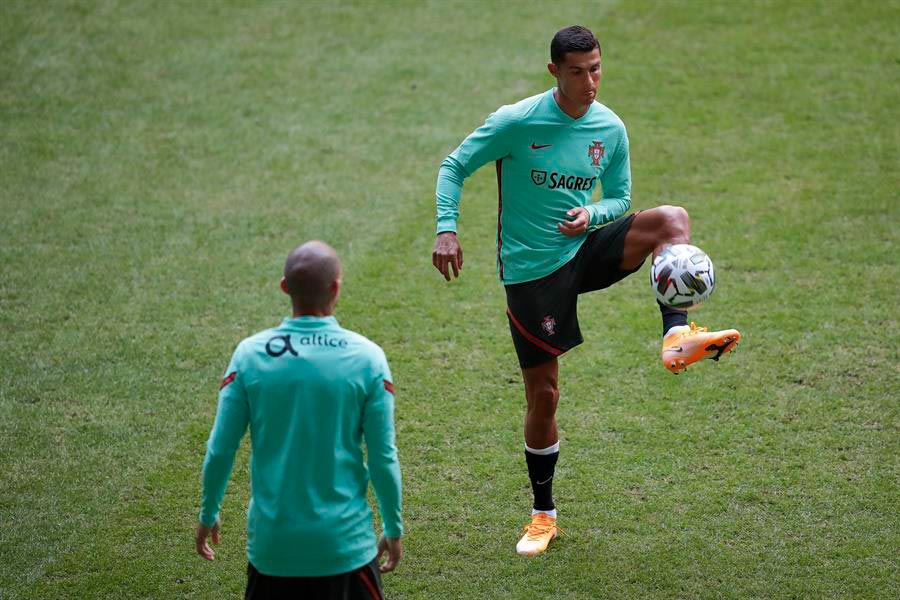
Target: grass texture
158,161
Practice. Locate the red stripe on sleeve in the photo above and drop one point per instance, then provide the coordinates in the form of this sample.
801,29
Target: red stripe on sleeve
389,386
228,379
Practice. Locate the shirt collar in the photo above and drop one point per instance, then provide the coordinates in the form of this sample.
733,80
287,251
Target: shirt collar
563,114
309,321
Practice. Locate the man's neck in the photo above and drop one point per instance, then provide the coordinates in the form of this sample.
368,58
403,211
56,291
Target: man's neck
576,111
318,312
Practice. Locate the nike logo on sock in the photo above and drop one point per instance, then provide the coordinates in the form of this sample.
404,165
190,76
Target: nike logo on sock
545,481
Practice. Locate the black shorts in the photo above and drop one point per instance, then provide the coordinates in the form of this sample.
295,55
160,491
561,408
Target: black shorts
543,316
363,583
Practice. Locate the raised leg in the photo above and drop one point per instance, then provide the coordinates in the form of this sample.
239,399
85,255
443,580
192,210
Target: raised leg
652,230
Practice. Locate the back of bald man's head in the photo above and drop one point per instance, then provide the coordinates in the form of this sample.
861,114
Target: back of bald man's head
309,272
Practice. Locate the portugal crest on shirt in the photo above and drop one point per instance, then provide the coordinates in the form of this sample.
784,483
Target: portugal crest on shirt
596,152
549,325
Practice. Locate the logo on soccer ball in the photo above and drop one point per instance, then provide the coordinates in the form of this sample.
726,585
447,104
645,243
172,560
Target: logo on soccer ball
682,276
538,177
549,325
596,152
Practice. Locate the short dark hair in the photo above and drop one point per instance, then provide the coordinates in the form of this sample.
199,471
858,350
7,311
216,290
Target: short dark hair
572,39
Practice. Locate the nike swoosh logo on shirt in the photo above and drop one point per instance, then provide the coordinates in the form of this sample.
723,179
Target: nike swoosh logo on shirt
539,146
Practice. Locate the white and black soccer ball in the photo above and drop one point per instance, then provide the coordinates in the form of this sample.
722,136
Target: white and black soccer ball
682,276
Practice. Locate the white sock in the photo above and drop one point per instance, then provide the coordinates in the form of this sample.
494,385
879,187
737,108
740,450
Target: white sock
543,451
676,329
549,513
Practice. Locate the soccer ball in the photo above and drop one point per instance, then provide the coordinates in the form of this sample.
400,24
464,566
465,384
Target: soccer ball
682,276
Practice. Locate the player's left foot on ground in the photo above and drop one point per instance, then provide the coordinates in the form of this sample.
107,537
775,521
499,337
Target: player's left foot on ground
538,534
685,345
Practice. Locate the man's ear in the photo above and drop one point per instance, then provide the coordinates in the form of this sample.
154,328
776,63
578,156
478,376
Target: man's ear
284,286
554,70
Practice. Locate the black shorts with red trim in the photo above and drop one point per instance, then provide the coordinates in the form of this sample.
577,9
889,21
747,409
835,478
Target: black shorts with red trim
363,583
543,315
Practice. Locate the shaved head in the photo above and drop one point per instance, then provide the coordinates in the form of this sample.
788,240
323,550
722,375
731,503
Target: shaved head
312,274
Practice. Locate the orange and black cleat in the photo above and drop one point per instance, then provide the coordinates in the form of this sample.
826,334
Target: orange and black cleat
685,345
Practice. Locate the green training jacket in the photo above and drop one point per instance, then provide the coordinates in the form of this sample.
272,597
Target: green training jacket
311,393
547,163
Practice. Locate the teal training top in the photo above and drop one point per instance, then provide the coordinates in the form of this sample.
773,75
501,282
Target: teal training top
547,163
311,393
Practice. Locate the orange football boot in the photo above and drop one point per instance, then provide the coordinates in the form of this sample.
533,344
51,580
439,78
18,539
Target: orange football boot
685,345
538,534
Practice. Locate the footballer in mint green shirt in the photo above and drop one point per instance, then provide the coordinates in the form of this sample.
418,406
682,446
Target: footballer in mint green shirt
312,394
564,191
548,163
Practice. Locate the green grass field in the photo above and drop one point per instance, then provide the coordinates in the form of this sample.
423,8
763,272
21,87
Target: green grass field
158,160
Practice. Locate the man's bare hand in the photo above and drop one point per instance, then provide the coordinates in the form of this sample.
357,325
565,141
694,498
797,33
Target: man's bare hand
581,219
394,549
447,254
202,534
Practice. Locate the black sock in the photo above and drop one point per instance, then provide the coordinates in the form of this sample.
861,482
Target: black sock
540,471
672,317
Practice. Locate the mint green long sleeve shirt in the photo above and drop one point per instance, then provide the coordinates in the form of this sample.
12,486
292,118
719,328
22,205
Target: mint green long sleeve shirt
547,163
311,393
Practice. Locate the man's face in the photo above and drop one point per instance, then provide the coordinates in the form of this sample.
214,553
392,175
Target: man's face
578,77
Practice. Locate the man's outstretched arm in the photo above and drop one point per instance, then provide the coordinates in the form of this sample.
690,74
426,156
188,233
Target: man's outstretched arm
485,144
232,418
383,462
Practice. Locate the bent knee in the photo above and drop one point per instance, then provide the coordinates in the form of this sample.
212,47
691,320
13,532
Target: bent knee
675,214
674,221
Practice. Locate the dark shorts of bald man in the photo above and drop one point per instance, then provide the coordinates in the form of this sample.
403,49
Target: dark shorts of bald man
363,583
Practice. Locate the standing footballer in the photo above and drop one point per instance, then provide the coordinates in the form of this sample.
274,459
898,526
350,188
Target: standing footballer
312,394
554,243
